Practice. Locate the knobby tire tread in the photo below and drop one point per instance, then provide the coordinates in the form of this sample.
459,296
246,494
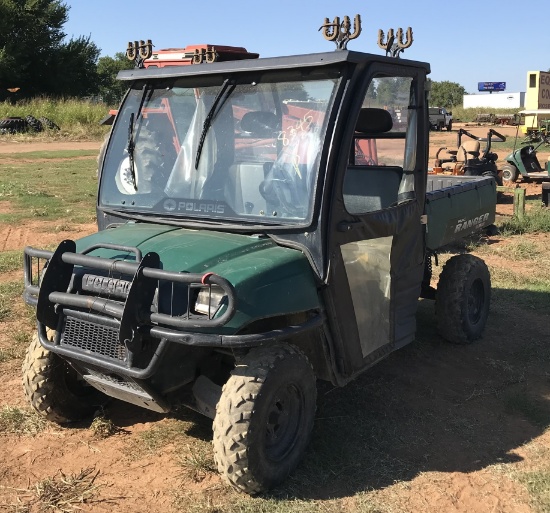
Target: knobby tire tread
44,391
451,307
233,413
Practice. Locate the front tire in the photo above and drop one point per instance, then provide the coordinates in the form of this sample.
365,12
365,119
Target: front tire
264,418
54,389
462,299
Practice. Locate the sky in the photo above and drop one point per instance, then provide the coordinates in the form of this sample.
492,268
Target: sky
465,42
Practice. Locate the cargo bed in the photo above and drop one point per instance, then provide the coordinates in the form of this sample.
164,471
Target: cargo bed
457,206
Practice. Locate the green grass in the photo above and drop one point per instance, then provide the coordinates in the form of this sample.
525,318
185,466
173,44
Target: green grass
76,118
197,460
9,291
45,155
470,115
19,343
11,261
163,433
536,220
63,189
538,486
21,421
9,354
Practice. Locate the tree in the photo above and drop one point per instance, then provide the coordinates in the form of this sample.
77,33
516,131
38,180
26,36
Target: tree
446,94
75,65
393,90
111,89
34,57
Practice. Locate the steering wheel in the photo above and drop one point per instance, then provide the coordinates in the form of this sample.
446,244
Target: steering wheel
281,190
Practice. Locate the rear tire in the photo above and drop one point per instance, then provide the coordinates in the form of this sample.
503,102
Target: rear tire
509,173
463,298
48,123
34,124
264,418
54,389
13,125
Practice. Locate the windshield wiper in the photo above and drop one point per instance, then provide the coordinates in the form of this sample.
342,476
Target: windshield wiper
226,87
131,145
130,149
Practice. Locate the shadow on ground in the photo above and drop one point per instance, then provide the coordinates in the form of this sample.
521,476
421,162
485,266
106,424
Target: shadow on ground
431,406
434,406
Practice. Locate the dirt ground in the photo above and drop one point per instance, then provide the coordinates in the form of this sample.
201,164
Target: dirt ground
420,397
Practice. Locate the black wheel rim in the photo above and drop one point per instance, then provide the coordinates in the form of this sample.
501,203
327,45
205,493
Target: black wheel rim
283,422
476,300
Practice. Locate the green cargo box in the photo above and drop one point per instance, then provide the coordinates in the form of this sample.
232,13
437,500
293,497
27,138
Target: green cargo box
457,206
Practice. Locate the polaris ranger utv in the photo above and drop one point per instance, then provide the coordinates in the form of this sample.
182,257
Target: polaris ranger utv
263,224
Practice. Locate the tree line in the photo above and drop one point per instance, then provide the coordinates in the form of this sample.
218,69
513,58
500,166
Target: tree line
36,59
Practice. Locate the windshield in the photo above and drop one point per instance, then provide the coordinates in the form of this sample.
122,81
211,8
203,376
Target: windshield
244,152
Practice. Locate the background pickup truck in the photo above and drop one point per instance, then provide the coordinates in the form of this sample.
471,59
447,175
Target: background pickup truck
440,119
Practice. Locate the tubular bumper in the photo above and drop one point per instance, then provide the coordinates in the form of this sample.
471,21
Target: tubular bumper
107,329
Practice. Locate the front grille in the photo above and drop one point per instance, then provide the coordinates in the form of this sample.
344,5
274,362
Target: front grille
94,338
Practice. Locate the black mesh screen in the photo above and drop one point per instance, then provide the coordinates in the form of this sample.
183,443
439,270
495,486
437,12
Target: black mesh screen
95,338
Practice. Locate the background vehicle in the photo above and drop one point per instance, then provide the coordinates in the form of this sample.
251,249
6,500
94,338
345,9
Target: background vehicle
262,225
523,161
440,119
468,159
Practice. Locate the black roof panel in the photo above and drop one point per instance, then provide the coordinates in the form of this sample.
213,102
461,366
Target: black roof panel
268,63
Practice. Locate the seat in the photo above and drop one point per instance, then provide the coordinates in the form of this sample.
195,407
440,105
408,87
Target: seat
242,190
371,188
368,186
371,122
468,150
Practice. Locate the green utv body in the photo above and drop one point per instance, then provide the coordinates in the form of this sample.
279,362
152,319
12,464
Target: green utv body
263,223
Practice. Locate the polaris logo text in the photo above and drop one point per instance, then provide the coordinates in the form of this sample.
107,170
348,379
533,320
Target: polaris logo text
105,285
171,205
464,224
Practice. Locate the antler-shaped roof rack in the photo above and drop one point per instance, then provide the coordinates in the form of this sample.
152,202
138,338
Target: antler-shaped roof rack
394,46
139,51
340,32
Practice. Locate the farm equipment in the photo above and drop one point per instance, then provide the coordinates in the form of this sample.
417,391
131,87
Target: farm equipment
498,119
469,159
143,55
523,161
263,224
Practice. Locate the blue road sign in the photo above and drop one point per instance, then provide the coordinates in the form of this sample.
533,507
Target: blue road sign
491,86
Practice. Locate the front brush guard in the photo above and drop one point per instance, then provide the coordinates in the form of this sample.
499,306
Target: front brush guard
52,294
131,318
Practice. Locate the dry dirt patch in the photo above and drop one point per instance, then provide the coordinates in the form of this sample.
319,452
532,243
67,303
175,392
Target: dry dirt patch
23,147
40,234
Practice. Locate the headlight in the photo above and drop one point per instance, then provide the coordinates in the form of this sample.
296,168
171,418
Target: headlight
209,300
